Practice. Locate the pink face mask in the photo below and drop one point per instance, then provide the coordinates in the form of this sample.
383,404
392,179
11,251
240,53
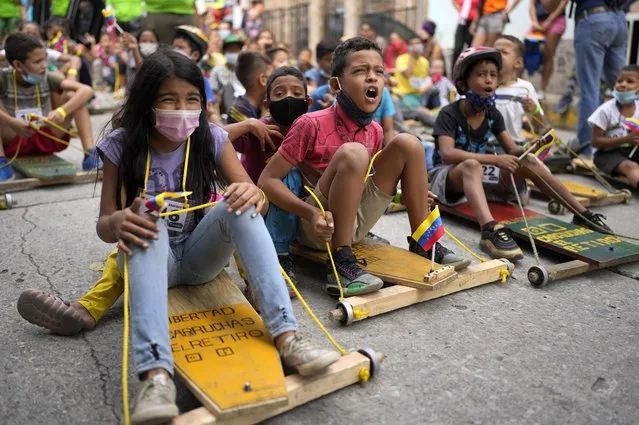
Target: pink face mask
176,125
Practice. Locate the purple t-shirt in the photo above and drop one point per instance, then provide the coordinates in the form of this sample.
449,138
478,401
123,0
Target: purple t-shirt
167,169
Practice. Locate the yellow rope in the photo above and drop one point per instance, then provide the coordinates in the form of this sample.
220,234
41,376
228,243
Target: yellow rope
328,245
310,313
54,138
185,210
370,166
125,345
461,244
15,155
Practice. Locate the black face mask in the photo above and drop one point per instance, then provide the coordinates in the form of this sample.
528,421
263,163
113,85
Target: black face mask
348,105
287,110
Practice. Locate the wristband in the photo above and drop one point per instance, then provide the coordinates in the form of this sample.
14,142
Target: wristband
537,109
72,72
62,112
263,195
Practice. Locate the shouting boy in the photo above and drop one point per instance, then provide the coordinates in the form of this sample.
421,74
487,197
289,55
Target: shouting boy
462,131
332,150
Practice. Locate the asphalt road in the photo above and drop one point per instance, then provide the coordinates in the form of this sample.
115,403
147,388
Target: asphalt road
497,354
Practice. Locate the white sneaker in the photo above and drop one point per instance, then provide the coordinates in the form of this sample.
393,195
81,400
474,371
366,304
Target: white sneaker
541,95
155,402
305,358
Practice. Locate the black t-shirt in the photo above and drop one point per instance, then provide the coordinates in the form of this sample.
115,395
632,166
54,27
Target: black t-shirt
452,122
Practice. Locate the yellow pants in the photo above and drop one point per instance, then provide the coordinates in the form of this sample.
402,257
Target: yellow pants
106,290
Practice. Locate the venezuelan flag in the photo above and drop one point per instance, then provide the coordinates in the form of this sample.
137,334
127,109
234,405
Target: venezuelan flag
430,231
632,124
544,150
157,202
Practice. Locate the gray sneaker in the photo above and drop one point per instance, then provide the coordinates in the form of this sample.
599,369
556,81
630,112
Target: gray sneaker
155,402
354,280
305,358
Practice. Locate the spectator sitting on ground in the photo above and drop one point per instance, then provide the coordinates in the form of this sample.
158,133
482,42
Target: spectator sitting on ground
265,40
432,49
443,90
304,59
324,56
413,83
369,32
279,56
192,43
253,70
396,48
223,79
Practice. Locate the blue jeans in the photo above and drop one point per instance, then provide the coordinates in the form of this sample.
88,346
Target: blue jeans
600,46
196,261
282,225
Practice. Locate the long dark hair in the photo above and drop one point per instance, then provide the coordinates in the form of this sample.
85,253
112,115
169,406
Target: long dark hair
134,118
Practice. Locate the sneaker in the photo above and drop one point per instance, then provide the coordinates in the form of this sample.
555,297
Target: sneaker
155,402
499,243
50,312
305,358
287,263
354,280
564,103
91,162
443,255
541,95
6,171
376,238
584,151
594,221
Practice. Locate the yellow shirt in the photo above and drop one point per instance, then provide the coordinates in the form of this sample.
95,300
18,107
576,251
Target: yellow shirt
412,84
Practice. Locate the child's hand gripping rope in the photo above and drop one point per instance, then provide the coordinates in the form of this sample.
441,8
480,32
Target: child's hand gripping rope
129,226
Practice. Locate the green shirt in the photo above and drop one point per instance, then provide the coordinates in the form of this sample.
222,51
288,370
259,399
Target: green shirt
9,9
126,10
59,7
179,7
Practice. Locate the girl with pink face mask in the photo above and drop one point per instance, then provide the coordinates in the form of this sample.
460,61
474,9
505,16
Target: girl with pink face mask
162,142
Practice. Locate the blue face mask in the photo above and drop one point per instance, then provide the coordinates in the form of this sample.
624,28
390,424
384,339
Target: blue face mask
34,79
224,33
625,97
480,102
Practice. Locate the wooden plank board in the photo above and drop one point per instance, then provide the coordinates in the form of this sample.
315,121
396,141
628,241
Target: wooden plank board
588,196
44,167
32,183
585,165
223,351
559,236
300,390
389,263
395,297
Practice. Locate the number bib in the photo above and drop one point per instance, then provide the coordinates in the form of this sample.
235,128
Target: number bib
23,113
176,222
491,174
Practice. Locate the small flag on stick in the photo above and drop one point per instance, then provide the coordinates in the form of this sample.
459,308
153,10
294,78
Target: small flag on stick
430,231
157,202
109,17
632,124
548,140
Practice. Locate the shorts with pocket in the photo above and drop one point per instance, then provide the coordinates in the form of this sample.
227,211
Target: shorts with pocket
490,24
371,207
38,144
502,191
607,160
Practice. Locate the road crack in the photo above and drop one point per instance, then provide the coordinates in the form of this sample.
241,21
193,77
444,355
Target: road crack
104,378
30,256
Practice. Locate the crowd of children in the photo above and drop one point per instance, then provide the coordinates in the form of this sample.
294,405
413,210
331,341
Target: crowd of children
329,128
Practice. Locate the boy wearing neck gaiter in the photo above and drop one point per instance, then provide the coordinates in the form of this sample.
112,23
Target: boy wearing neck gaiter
332,150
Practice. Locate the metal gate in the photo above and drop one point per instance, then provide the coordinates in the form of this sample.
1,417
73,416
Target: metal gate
289,25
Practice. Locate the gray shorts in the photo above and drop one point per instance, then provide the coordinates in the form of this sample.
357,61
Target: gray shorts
490,24
607,160
502,191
